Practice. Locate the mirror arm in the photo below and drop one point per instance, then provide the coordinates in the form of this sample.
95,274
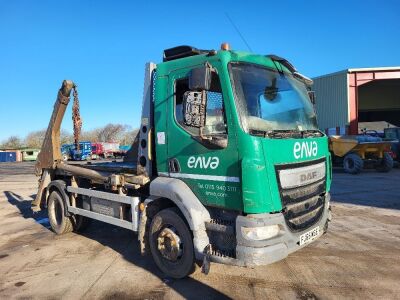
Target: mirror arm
203,137
212,143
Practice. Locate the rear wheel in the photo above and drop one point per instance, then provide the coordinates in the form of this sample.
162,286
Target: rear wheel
171,244
80,223
59,222
353,163
386,164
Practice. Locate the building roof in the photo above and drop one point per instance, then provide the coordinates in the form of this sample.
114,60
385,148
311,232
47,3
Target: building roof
353,70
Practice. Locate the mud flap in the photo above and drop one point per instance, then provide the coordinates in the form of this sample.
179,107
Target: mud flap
205,267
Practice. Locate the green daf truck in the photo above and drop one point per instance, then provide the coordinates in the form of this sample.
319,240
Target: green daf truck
228,165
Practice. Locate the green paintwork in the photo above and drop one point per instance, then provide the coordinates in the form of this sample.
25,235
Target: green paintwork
249,158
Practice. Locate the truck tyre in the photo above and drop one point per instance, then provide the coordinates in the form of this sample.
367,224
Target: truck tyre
171,244
80,223
386,164
59,222
353,163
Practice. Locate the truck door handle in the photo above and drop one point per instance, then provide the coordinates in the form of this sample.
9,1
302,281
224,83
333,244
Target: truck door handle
173,165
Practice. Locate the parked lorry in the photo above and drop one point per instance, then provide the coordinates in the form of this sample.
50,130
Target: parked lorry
70,151
104,150
228,165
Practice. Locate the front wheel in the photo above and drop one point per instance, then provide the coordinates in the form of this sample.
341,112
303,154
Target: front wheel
171,244
386,164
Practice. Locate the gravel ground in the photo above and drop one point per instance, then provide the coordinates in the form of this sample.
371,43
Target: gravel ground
358,258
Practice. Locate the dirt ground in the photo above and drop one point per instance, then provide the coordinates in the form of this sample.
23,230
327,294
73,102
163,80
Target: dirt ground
358,258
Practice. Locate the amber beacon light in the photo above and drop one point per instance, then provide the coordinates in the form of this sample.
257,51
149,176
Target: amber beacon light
225,47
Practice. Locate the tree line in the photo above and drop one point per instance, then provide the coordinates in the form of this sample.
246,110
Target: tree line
120,133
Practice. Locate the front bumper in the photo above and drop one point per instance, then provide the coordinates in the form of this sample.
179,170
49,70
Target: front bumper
254,253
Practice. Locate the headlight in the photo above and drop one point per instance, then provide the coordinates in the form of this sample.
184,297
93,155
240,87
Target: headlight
260,233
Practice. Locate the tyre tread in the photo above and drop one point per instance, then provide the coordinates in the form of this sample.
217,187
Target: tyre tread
357,162
188,266
386,164
68,227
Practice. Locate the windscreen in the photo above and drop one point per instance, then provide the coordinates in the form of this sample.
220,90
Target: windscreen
268,100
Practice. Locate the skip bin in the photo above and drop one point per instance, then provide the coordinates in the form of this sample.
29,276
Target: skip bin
8,157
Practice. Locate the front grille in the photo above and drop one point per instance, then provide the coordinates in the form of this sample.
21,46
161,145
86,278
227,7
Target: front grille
302,206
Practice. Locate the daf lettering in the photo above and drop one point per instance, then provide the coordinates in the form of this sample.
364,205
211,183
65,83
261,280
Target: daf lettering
202,162
305,149
308,176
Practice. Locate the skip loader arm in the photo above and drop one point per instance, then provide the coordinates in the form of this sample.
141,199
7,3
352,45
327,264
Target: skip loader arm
50,152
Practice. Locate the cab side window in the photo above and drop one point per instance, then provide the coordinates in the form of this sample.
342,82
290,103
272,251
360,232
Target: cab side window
215,112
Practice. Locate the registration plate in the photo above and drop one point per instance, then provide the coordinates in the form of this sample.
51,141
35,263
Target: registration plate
309,236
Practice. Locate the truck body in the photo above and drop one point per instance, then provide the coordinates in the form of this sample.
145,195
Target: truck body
123,149
228,165
69,151
105,150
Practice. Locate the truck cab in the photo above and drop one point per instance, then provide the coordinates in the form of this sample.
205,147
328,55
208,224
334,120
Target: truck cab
240,131
84,152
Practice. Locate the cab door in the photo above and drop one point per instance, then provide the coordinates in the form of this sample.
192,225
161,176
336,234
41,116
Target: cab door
213,174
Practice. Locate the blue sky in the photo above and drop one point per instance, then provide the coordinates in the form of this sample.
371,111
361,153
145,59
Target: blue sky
103,46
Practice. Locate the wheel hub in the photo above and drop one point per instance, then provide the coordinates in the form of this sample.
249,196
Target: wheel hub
169,244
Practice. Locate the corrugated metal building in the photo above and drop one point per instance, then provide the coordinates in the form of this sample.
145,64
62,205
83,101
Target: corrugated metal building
345,98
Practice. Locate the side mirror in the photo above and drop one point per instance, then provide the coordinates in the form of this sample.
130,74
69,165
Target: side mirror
194,115
200,78
311,95
194,108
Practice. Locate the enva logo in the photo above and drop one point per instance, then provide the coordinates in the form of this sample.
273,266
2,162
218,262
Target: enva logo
305,149
202,162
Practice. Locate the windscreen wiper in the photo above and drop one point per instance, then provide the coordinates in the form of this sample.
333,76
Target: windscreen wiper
286,133
258,132
277,134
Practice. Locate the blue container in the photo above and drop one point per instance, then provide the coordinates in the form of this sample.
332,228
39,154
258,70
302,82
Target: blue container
84,153
8,156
